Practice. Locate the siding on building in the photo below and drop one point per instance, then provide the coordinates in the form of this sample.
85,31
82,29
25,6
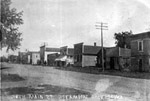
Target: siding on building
88,60
85,55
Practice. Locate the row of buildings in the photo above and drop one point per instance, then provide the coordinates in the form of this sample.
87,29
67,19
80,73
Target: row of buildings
135,59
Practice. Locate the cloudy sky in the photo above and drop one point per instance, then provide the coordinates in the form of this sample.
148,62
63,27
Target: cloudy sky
66,22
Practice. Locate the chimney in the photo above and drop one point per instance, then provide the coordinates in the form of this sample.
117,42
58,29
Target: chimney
94,43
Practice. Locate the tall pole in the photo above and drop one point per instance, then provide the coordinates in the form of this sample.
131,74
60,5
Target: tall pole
101,27
102,46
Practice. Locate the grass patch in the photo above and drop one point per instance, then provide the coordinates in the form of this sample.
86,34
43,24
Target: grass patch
11,78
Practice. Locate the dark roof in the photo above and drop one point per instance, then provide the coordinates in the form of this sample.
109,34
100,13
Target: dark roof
112,52
70,51
52,49
141,35
78,43
93,50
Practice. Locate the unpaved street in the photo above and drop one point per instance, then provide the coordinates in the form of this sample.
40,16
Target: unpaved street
127,89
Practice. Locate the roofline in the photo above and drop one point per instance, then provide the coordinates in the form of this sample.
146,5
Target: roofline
93,46
139,34
79,43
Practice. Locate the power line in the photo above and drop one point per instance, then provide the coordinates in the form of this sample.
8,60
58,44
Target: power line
102,26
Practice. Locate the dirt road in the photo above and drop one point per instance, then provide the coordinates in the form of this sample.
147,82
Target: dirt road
101,86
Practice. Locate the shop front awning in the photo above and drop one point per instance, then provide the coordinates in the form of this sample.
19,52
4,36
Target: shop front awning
61,58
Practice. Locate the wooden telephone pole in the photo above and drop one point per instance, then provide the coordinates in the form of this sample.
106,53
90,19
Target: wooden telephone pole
102,26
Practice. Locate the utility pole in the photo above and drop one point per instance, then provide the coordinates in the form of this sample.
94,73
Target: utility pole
102,26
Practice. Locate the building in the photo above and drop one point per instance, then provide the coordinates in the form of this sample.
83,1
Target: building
30,57
51,59
85,55
35,57
13,58
115,58
44,51
66,57
140,52
22,57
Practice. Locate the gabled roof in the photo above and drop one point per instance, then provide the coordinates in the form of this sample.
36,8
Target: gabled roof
61,58
91,50
52,49
112,52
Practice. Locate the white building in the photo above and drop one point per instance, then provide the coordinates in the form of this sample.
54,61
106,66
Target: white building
44,51
35,57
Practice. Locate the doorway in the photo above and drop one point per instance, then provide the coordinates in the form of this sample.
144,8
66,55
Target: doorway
112,63
140,65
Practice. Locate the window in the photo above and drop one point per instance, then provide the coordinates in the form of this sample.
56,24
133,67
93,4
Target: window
140,45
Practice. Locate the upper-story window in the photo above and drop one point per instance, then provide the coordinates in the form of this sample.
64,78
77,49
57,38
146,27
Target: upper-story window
140,45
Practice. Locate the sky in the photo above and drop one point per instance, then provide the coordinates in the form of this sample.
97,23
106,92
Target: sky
67,22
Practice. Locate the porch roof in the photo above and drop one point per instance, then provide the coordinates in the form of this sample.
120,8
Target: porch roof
61,58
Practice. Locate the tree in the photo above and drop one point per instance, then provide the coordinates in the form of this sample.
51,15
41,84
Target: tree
10,20
122,39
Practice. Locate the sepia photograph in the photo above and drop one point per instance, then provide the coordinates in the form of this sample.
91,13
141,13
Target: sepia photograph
74,50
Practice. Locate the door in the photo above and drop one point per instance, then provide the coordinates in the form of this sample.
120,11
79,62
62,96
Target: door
140,65
112,63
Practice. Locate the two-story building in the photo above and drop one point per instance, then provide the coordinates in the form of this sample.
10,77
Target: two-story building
44,51
140,52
